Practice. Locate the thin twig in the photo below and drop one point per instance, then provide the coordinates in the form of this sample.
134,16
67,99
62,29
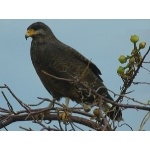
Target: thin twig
146,62
8,103
4,110
126,125
56,127
129,98
72,126
145,119
54,77
48,100
146,69
18,100
77,126
32,105
3,126
141,83
41,124
25,128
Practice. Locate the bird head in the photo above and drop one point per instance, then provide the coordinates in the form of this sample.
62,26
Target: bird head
38,29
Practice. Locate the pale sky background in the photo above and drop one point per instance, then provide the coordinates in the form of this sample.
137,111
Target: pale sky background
103,41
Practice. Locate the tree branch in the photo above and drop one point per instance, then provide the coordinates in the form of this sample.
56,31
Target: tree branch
50,117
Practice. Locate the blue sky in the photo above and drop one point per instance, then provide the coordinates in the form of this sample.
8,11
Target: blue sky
102,41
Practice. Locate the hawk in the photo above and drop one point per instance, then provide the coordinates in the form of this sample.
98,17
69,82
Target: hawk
64,71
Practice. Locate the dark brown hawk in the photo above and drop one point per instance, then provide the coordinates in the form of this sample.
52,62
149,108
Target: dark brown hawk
54,61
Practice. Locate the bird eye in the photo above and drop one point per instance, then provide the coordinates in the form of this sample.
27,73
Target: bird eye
35,28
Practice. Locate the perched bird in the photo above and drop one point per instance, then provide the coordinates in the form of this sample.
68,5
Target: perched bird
64,71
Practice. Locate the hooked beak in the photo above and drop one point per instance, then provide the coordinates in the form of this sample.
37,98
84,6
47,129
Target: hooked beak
26,36
30,33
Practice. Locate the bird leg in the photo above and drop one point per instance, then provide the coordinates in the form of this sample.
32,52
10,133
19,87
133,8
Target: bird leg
51,105
67,99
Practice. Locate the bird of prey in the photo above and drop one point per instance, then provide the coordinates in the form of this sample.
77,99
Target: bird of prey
64,71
